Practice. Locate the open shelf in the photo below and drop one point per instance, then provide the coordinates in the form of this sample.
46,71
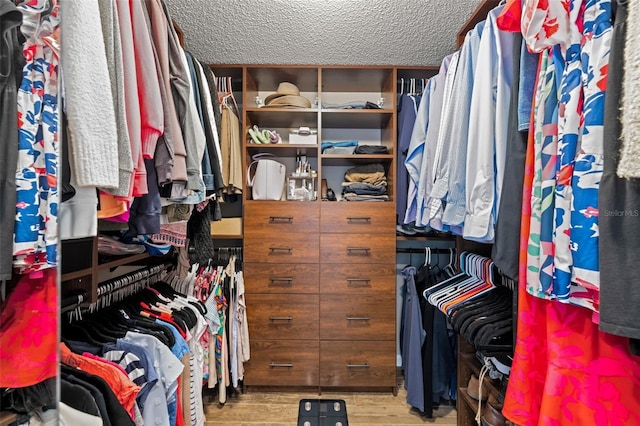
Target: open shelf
472,403
76,274
122,260
283,149
356,118
6,418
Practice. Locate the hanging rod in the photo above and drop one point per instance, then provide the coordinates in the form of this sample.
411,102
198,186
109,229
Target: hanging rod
423,250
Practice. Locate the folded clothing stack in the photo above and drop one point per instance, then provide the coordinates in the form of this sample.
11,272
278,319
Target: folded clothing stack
365,183
341,147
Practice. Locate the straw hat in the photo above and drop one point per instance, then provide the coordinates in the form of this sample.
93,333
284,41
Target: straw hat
287,95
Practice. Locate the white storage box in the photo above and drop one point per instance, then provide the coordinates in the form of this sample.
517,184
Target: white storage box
303,136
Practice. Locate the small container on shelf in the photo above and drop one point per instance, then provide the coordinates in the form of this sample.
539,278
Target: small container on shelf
303,136
302,186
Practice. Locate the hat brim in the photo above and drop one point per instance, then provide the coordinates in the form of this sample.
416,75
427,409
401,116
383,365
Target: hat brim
273,96
289,101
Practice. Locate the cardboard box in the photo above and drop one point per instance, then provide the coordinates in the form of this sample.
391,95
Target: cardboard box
228,226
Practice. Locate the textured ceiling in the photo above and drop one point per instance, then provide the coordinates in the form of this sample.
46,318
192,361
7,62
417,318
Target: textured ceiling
333,32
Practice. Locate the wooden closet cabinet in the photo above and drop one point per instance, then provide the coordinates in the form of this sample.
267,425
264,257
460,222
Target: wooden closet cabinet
320,275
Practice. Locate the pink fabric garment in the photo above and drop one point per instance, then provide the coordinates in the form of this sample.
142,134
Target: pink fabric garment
565,371
132,104
29,331
160,34
149,97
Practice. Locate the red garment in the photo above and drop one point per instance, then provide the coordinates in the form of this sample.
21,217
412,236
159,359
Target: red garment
179,408
510,16
125,390
565,371
29,332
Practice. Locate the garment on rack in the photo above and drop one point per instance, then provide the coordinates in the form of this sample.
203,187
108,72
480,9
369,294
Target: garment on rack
230,143
87,96
152,336
415,155
507,231
455,199
564,262
618,247
10,78
36,230
116,414
29,329
412,341
407,112
488,124
426,343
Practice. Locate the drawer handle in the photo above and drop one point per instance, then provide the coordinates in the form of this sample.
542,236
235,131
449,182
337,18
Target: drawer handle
273,219
365,365
275,249
283,280
354,250
358,318
280,318
358,280
278,364
352,219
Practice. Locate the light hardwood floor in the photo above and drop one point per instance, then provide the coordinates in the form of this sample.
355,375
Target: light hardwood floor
281,408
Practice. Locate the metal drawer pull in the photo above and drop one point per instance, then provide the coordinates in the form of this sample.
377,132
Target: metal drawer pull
356,280
358,366
288,219
276,364
366,250
286,280
280,318
274,249
358,318
359,219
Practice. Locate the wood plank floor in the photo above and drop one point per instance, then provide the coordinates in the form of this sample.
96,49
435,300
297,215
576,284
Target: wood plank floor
281,408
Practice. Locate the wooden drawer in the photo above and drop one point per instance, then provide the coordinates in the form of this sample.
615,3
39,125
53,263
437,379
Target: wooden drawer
286,278
347,278
278,217
282,362
362,317
346,217
282,248
358,248
347,363
286,317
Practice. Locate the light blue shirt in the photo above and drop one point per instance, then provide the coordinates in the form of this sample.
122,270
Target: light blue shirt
431,141
454,210
488,127
413,162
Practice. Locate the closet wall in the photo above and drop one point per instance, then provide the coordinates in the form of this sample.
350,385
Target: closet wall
413,32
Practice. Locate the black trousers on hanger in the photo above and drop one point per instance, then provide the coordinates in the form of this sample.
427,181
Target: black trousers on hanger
618,201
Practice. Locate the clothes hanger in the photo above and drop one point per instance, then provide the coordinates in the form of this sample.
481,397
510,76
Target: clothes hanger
449,296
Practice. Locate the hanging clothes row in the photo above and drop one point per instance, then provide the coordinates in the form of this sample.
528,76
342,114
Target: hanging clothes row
412,86
458,146
219,284
141,346
167,137
29,190
427,344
